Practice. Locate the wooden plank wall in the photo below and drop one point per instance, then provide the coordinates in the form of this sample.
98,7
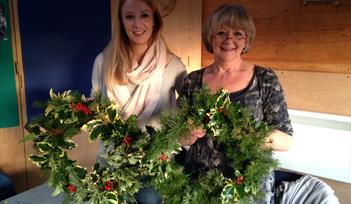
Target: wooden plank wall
308,45
182,32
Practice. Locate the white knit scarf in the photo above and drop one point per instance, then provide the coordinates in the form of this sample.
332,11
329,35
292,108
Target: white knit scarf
148,78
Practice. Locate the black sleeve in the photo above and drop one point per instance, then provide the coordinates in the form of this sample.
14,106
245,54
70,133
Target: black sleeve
179,81
275,109
192,83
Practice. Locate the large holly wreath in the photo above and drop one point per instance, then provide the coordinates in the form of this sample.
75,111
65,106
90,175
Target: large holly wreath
242,140
66,114
136,159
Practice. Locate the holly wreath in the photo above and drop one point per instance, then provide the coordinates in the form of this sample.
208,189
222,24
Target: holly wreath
133,155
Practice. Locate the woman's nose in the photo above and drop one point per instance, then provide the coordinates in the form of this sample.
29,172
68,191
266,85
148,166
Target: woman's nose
136,23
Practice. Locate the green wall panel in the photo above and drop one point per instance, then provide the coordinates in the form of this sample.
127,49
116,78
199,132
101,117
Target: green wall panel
8,96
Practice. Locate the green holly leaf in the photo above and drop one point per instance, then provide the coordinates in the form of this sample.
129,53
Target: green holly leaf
69,144
229,193
71,131
255,189
53,96
29,137
133,160
57,191
201,112
247,188
96,132
48,109
111,198
33,127
80,172
44,146
38,160
57,178
223,99
60,152
111,111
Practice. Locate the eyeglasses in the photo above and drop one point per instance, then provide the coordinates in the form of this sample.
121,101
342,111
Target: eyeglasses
221,35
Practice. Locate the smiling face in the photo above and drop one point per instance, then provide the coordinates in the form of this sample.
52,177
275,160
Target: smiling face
228,43
138,22
231,19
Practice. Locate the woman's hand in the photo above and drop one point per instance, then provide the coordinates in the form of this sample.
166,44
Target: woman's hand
192,137
278,141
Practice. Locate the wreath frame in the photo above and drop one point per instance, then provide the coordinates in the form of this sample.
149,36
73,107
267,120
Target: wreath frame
137,154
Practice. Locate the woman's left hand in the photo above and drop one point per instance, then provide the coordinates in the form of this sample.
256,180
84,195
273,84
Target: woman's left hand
190,139
278,141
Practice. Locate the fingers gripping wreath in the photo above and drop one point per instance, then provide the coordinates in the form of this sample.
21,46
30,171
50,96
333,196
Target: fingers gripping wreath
134,155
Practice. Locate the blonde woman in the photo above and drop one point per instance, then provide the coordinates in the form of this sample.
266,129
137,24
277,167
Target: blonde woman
136,70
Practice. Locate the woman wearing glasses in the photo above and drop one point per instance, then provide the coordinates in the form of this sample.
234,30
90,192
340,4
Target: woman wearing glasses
228,35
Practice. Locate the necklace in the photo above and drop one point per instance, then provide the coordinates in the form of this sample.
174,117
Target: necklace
231,70
230,75
223,78
231,79
227,72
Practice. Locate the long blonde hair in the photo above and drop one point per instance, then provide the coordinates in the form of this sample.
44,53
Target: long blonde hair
118,53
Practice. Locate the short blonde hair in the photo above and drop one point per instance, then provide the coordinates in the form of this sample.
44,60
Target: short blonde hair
228,16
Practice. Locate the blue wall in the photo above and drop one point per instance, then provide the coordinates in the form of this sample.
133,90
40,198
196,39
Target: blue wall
60,40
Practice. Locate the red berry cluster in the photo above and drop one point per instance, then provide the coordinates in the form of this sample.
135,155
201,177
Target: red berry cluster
163,157
72,188
127,140
108,186
80,108
239,180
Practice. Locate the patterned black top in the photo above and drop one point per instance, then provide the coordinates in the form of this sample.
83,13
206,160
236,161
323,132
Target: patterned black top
264,96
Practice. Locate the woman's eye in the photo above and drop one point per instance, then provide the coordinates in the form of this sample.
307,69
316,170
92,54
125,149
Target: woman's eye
238,34
129,17
222,33
145,15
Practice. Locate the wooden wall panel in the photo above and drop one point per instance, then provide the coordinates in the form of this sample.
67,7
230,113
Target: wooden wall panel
182,32
293,36
12,159
317,92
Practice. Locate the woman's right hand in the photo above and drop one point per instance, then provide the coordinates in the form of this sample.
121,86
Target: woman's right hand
192,137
